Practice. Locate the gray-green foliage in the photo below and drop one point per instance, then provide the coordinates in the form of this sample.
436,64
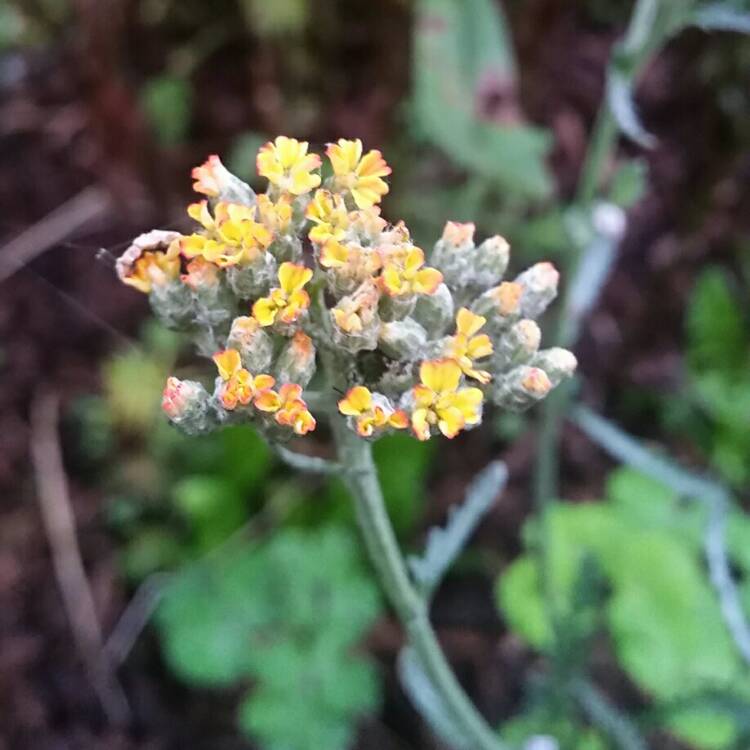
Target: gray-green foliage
661,612
286,615
462,56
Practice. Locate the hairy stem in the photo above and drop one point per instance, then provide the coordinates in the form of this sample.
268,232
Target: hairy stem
360,474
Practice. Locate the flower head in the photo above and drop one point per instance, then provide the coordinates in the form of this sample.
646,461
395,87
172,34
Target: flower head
371,413
288,408
286,163
404,273
361,175
239,387
276,217
468,345
289,300
201,274
151,260
439,402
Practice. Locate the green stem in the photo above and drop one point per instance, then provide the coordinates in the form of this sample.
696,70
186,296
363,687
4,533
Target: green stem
360,475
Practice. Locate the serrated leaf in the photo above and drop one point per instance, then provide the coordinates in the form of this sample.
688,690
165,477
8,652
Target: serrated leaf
445,544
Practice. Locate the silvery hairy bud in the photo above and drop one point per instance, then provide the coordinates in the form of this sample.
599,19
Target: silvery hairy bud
172,304
501,306
558,363
296,363
254,279
287,247
491,261
520,388
453,254
252,342
396,308
403,339
434,312
539,288
517,346
187,404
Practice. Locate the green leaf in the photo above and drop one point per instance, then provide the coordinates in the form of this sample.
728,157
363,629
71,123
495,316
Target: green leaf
166,100
628,184
465,98
403,463
715,325
519,598
287,614
213,507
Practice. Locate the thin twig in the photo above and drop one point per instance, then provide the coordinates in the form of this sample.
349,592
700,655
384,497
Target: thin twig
59,524
91,203
688,484
606,716
301,462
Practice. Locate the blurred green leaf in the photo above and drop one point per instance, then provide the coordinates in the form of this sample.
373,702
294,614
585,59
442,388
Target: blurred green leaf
167,101
663,616
286,614
628,183
465,95
276,18
717,337
153,549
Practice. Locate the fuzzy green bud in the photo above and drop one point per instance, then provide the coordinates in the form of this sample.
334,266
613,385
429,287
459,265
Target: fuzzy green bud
434,312
296,363
254,279
187,404
558,363
403,339
539,285
517,346
252,342
520,388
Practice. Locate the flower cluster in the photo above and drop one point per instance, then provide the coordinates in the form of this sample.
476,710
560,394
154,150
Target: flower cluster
309,277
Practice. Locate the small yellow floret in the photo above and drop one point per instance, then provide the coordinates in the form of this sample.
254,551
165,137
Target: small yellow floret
440,402
370,417
240,387
404,274
287,302
466,346
285,163
361,175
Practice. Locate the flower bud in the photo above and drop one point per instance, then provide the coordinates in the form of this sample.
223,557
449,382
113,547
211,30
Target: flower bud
501,306
296,363
213,179
403,339
453,254
151,260
517,346
492,258
186,403
252,342
558,363
253,280
356,323
434,312
520,388
539,285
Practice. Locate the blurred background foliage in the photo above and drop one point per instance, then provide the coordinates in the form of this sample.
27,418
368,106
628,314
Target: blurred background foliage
268,603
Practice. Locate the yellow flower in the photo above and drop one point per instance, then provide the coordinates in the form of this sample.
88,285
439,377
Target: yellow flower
286,163
356,312
240,387
371,416
288,301
328,212
438,401
404,274
151,260
288,408
233,235
276,217
466,346
361,175
208,176
350,260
